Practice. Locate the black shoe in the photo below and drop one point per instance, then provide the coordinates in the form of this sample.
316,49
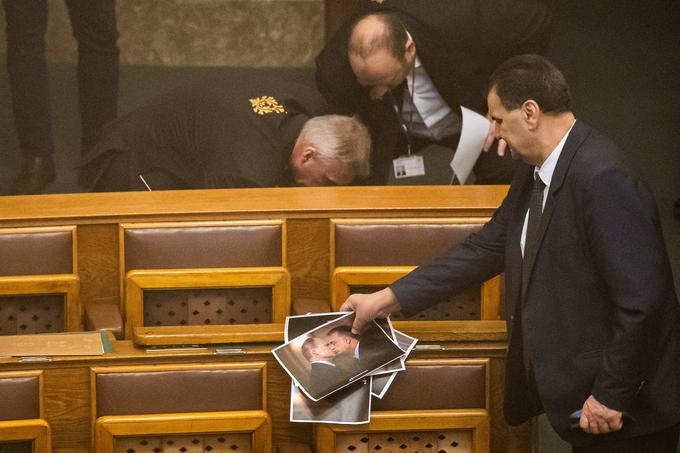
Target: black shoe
34,176
676,209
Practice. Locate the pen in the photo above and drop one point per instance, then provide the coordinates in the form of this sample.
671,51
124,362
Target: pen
144,181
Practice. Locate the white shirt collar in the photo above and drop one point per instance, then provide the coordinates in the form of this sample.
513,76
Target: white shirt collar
546,170
326,362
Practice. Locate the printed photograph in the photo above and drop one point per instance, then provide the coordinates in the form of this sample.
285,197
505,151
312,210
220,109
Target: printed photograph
380,384
350,405
301,324
330,357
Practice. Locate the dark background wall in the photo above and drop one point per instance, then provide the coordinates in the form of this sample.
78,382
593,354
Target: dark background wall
622,60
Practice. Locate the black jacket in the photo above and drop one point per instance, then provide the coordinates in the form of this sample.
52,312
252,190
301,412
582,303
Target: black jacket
213,134
459,43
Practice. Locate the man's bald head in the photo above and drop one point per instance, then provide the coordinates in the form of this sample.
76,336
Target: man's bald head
380,31
381,53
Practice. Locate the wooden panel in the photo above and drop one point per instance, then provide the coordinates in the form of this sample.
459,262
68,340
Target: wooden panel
98,264
307,250
67,401
257,422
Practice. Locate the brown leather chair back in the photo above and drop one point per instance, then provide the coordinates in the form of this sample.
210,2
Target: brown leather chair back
177,389
36,252
203,245
443,389
19,397
396,244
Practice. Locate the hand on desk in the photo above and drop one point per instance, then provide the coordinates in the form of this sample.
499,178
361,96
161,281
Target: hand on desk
368,307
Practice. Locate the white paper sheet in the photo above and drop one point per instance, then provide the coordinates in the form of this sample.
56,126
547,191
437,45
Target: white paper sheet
472,135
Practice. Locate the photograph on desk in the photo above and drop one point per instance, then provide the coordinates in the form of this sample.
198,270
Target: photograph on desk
329,357
350,405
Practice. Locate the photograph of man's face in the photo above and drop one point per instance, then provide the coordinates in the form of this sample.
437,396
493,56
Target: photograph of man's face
316,349
341,340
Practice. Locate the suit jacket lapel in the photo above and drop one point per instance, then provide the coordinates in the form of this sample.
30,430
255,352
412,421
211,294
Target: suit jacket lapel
530,255
578,133
514,259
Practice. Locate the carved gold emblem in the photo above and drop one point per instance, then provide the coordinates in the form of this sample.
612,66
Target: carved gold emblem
266,104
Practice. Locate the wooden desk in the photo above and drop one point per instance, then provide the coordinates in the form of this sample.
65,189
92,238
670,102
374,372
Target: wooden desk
307,213
67,387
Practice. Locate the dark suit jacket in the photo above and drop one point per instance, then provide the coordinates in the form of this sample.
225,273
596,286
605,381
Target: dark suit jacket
459,43
321,373
599,313
210,135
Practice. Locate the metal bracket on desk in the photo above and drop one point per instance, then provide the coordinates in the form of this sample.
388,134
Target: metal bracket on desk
229,351
36,358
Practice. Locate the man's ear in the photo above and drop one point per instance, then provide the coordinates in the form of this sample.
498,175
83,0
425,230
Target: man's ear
409,48
308,153
530,112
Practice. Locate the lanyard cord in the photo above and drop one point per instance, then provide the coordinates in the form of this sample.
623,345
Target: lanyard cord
400,109
413,106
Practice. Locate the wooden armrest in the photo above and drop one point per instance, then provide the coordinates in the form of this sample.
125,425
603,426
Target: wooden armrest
104,317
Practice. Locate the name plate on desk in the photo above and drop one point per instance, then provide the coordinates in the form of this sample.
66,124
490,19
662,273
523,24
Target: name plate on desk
52,344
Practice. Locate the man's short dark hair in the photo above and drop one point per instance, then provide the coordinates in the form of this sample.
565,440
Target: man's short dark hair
527,77
393,37
345,331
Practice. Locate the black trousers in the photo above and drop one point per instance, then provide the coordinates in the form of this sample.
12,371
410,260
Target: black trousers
664,441
93,23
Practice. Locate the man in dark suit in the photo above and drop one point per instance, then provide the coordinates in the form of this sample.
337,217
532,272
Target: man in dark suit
320,358
254,132
593,318
345,345
359,352
407,66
